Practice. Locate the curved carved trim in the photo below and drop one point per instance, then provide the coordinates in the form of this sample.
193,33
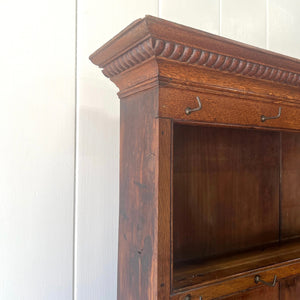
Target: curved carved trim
193,56
131,58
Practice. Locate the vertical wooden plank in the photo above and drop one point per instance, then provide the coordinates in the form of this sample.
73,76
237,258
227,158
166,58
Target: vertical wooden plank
164,205
290,188
138,229
290,289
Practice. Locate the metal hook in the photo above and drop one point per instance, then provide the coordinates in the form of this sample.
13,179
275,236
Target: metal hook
189,110
264,118
257,279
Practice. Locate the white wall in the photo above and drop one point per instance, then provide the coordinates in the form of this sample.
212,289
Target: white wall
37,92
37,127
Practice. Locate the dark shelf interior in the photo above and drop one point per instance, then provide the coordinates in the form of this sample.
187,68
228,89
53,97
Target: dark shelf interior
236,201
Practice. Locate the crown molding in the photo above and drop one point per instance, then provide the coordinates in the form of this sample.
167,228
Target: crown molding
154,38
198,57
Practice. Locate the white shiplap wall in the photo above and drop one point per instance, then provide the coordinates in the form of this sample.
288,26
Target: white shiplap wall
37,128
37,94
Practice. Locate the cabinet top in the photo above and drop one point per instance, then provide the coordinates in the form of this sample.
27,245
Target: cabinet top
156,42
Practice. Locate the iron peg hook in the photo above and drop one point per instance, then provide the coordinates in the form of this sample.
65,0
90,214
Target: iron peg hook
189,110
257,279
264,118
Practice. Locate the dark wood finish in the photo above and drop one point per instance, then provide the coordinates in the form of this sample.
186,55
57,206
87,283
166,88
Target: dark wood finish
290,204
164,206
221,172
138,198
213,192
227,109
241,282
213,270
290,289
262,293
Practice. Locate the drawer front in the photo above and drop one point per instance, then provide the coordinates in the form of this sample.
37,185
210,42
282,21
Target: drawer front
222,109
215,290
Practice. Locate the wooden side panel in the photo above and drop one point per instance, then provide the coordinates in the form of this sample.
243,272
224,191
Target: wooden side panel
226,190
290,289
164,206
290,203
261,293
137,266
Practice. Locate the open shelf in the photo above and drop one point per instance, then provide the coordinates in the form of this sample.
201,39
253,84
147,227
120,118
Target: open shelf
236,202
196,272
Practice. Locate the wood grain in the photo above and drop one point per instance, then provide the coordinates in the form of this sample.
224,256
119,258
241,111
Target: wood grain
211,270
239,283
227,110
138,236
290,289
195,48
262,293
164,209
226,191
290,189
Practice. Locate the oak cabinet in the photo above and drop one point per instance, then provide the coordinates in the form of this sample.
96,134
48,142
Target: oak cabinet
209,165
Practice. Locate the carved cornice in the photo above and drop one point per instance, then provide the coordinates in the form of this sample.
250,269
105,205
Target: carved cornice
133,57
198,57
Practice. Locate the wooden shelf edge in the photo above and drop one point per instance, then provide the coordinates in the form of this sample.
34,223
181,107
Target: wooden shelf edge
221,269
238,282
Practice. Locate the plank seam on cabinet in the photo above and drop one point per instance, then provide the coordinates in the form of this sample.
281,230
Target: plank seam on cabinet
74,266
267,25
280,187
171,204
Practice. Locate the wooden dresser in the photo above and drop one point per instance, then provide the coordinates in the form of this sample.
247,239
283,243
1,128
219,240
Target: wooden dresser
209,165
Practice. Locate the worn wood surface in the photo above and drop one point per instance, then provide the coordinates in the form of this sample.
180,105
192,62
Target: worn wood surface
137,266
164,209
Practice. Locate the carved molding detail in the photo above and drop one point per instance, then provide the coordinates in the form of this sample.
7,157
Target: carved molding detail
131,58
185,54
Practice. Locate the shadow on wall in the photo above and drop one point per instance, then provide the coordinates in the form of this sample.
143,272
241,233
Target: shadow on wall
98,203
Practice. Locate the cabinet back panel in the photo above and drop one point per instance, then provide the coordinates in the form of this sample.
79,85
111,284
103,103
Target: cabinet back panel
225,190
290,203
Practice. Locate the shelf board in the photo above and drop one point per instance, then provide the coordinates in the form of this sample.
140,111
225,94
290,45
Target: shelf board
186,274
